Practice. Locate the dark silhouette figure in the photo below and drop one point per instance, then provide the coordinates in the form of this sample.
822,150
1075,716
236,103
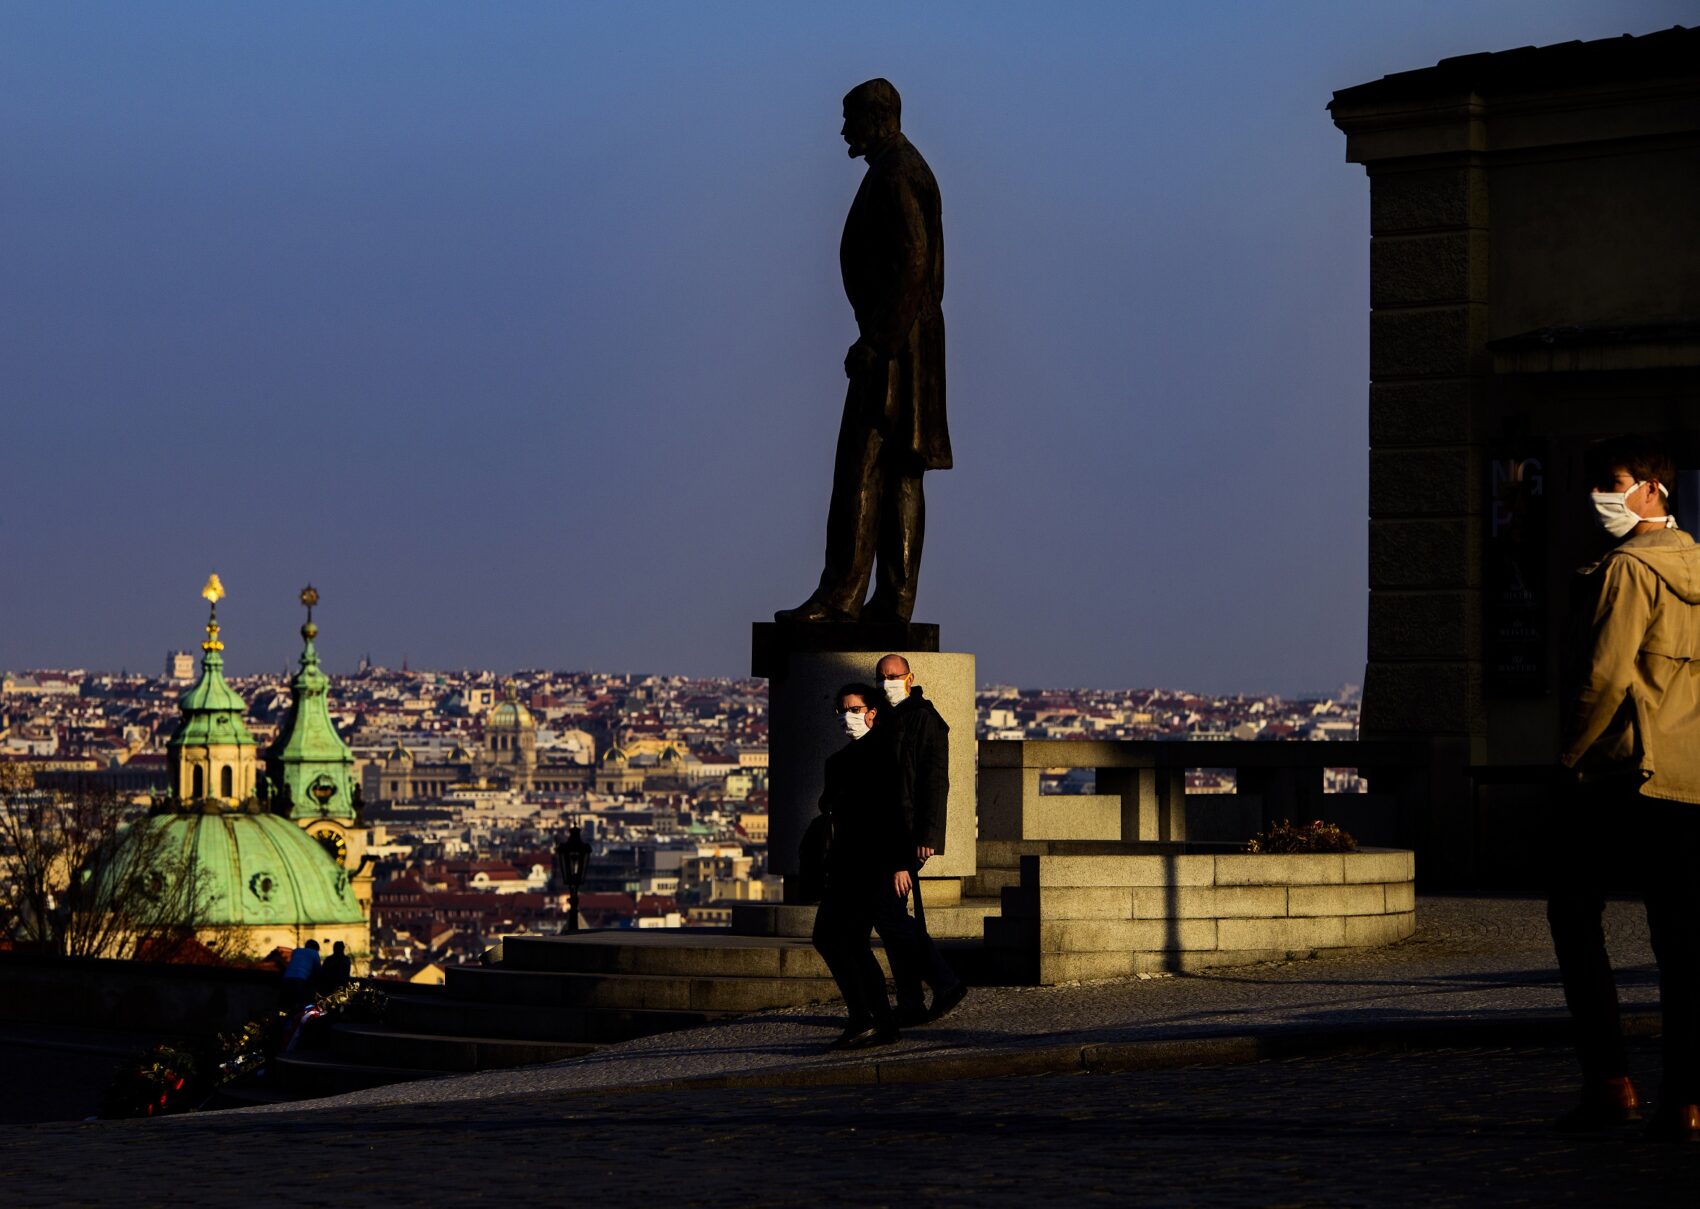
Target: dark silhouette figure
334,973
299,976
892,261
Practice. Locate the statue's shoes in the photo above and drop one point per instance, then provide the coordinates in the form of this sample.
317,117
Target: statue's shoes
811,611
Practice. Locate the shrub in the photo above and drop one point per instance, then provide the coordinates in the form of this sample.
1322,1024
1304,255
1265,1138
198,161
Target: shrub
1315,836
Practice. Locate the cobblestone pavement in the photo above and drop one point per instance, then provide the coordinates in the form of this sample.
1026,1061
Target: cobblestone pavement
1450,1127
1472,959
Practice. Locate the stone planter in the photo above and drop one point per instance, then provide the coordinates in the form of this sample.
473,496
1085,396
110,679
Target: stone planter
1084,911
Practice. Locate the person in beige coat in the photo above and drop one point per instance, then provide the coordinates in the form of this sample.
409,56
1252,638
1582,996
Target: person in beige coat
1630,771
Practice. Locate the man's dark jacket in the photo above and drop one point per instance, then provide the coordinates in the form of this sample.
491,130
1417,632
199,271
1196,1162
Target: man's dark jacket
892,260
920,745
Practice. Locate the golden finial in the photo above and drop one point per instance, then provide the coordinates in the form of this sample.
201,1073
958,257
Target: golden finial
212,594
309,597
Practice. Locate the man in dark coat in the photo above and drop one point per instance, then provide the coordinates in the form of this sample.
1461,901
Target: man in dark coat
336,969
892,261
868,876
919,739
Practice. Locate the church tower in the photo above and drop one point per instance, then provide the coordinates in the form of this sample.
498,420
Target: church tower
242,878
212,753
311,770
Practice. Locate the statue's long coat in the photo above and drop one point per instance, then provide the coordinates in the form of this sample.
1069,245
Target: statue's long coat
892,259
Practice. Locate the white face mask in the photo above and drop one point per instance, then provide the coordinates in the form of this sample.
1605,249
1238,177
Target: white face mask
855,723
895,691
1611,509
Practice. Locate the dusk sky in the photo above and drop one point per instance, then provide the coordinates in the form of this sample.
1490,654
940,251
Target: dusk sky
517,328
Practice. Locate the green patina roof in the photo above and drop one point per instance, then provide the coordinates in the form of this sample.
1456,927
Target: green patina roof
212,710
309,759
257,869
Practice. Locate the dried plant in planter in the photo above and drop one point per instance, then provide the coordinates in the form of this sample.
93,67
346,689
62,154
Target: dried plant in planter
1315,836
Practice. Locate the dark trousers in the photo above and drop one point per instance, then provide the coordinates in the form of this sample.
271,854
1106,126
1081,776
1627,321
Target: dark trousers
927,965
296,994
848,912
1654,848
877,508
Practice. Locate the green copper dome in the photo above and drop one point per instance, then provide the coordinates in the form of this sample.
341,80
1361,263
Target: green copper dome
311,768
256,869
212,710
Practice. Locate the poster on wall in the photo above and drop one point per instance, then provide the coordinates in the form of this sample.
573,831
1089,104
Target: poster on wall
1515,608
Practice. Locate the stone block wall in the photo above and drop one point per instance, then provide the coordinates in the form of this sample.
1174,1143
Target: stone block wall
1428,358
1101,915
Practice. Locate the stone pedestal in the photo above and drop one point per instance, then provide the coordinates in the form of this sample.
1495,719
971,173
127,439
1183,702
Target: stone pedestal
805,667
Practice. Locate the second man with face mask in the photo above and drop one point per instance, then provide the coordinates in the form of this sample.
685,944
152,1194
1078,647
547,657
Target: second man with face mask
919,742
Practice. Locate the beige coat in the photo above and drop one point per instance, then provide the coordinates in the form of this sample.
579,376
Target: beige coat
1638,708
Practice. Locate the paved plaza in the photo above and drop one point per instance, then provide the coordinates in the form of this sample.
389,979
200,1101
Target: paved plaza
1477,968
1424,1072
1452,1126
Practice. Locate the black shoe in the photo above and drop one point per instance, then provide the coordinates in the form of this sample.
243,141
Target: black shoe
855,1035
913,1017
1678,1123
811,611
1604,1106
946,1002
883,1034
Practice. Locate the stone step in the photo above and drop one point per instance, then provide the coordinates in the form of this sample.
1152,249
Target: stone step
963,922
960,921
595,1026
704,953
773,919
990,882
246,1093
649,992
1014,934
1020,902
317,1074
375,1046
942,891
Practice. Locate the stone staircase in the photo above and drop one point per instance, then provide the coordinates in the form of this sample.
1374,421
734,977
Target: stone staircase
547,999
550,998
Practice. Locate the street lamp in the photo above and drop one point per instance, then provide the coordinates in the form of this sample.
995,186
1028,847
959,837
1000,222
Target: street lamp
572,855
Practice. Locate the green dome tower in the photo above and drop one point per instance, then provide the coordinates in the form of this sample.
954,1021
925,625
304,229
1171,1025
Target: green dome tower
211,754
259,880
311,768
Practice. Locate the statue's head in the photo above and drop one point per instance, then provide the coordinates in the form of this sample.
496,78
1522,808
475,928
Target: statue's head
872,115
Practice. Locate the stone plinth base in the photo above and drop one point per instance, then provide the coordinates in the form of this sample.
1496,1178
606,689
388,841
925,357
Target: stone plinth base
807,665
773,643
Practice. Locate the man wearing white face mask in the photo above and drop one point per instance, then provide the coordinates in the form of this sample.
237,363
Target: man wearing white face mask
867,875
919,739
1630,757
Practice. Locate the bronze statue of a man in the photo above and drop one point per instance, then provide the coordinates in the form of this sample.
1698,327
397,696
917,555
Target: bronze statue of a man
892,261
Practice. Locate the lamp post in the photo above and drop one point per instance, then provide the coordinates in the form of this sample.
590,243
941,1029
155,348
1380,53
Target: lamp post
572,855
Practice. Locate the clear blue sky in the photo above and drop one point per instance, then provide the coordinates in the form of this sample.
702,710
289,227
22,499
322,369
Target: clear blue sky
517,328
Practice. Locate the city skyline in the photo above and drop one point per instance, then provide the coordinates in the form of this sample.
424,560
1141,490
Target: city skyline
518,333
